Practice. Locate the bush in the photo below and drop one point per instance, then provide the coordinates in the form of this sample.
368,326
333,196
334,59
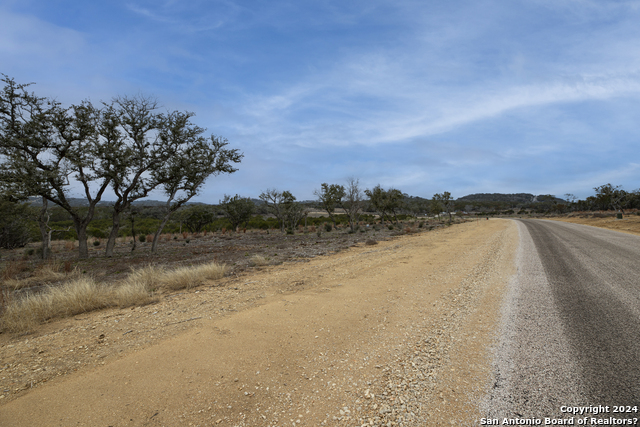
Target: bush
96,243
390,227
142,238
327,227
14,225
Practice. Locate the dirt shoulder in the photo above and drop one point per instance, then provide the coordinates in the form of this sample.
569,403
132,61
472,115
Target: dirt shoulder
628,224
395,332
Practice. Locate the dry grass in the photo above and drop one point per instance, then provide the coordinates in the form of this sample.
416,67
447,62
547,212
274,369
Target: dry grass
74,297
13,268
629,224
258,260
189,277
44,274
84,294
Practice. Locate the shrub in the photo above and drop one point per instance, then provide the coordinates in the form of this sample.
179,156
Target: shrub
327,227
390,227
142,238
371,242
96,243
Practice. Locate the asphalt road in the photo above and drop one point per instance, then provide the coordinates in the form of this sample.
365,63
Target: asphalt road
571,323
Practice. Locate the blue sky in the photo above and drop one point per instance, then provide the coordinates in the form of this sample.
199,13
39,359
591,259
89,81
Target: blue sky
537,96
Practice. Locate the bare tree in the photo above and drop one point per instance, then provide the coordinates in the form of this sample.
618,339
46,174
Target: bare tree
353,202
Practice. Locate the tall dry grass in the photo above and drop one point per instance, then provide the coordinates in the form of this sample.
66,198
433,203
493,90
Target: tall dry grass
23,314
78,296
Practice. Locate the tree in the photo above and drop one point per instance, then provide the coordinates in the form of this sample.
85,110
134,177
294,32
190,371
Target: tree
443,202
378,200
43,144
352,202
395,202
237,210
277,203
330,197
610,197
197,217
284,207
183,175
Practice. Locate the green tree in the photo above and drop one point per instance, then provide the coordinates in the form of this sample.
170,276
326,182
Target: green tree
330,197
238,210
442,202
44,145
197,217
610,197
378,201
277,203
182,175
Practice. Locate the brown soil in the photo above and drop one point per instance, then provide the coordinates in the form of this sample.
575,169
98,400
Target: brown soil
390,333
628,224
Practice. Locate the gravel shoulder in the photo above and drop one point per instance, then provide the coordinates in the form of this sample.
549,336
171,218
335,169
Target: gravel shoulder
397,333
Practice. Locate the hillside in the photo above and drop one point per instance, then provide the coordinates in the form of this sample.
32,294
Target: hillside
510,198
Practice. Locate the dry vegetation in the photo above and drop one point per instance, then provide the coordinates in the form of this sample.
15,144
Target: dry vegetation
33,292
630,223
23,313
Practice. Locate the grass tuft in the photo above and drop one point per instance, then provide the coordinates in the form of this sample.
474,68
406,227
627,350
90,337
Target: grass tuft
258,260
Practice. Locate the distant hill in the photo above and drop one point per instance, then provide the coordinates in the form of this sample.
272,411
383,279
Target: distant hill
510,198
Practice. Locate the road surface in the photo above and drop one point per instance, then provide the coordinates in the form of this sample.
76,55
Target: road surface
571,323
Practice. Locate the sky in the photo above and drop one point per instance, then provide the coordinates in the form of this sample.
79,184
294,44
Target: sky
478,96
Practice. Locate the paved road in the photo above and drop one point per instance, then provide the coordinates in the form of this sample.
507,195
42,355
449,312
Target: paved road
571,324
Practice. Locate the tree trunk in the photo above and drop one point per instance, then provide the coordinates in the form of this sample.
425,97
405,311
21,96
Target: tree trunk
83,247
156,237
115,228
44,233
133,232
